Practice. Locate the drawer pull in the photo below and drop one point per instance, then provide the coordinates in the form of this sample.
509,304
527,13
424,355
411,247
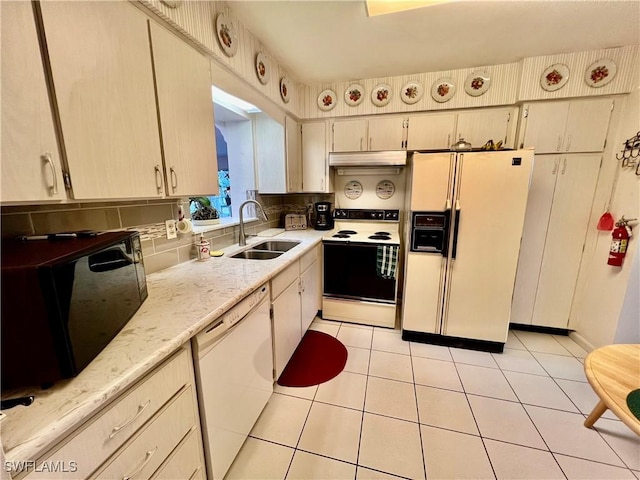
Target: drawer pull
147,458
141,408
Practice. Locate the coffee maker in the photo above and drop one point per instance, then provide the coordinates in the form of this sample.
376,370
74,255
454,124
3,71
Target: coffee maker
323,215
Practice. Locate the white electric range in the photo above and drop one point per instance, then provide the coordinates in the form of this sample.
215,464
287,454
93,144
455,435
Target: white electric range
361,256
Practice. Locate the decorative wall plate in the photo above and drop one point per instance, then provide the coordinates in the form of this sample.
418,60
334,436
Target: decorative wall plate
226,34
326,100
411,92
354,94
443,89
385,189
353,189
600,73
285,89
477,83
381,95
262,68
173,3
554,77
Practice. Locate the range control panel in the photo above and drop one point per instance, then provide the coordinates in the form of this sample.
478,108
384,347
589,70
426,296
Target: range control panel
366,214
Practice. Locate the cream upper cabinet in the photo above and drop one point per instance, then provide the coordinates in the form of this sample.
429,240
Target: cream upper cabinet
31,169
349,135
293,155
185,107
437,131
315,167
488,124
365,135
386,133
103,80
431,131
278,156
556,223
572,126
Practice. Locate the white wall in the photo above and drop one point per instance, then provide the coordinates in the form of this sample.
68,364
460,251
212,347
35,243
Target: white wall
597,315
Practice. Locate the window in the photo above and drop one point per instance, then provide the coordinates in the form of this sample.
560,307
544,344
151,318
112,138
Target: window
234,145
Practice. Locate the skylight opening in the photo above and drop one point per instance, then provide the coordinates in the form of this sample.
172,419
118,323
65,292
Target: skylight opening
232,103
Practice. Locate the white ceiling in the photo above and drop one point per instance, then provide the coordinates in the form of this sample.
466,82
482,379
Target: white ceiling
329,41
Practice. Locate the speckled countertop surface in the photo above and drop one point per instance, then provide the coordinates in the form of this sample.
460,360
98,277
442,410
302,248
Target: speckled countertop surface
182,301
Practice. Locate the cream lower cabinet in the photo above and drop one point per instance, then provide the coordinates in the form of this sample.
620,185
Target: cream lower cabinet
31,168
311,288
295,301
153,429
558,210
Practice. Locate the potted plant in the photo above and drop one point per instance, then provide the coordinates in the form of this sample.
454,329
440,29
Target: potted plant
204,213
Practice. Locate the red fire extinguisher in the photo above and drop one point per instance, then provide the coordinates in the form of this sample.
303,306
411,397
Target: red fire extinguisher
620,241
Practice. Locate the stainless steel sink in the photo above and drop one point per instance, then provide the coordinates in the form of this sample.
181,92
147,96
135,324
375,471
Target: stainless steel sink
276,245
257,255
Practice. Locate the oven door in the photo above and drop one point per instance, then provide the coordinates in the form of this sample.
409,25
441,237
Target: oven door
350,271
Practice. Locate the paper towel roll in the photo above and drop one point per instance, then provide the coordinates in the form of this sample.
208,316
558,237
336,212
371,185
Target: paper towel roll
184,226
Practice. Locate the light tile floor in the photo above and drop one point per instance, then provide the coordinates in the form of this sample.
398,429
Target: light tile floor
408,410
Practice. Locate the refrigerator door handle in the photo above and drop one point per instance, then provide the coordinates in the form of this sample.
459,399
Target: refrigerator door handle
445,236
456,227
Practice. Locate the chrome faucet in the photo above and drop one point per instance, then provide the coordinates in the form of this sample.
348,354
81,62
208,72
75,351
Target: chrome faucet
242,238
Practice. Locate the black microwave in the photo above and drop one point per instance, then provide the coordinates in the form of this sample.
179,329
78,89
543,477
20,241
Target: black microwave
63,301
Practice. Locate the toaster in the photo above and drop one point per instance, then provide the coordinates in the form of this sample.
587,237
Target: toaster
294,221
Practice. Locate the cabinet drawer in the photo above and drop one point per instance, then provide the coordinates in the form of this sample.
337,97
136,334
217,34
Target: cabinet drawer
284,279
146,452
185,461
93,444
309,257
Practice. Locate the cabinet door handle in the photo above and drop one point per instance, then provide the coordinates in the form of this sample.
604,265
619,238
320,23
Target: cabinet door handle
361,143
370,143
559,147
54,176
564,166
322,184
174,179
448,140
117,429
556,163
147,459
158,178
566,149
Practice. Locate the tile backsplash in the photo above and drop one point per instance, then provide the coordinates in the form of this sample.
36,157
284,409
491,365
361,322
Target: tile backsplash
147,217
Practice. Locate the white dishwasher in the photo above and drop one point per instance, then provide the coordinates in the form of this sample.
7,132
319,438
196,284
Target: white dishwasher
234,371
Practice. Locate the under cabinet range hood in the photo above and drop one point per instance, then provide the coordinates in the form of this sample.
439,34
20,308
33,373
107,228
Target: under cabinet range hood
368,159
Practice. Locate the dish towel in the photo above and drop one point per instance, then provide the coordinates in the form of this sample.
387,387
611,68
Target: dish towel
387,260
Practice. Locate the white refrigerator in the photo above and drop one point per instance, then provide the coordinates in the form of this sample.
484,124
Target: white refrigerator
460,294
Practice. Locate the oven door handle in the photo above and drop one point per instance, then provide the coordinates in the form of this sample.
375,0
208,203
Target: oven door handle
456,228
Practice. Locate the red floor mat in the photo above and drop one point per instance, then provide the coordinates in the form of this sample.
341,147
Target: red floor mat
318,358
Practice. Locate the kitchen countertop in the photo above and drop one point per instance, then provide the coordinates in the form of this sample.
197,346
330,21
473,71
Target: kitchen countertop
182,300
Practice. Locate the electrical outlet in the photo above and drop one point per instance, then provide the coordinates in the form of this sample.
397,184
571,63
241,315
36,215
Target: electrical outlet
171,229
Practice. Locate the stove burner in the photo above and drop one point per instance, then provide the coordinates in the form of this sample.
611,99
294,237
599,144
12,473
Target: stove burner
340,235
386,234
347,232
379,237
